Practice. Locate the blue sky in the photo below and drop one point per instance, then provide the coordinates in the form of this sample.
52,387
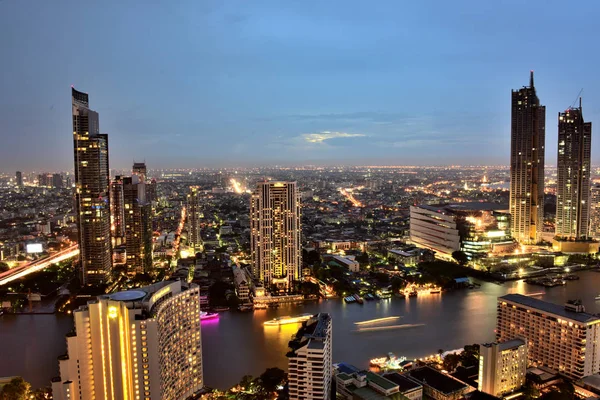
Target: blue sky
237,83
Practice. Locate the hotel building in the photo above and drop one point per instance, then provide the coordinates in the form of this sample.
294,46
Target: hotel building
310,368
502,367
275,234
138,344
565,339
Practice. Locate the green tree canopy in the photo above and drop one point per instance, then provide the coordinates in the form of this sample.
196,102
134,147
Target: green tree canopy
16,389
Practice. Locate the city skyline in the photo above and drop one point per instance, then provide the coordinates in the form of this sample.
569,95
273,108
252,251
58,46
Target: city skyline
253,80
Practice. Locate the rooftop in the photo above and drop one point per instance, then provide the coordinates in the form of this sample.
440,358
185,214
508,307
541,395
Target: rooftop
380,381
551,308
437,380
367,393
405,384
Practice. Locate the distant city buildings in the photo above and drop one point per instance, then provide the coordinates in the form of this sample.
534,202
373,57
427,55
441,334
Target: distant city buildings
92,186
502,367
564,339
528,131
19,179
139,344
275,231
310,367
573,188
595,211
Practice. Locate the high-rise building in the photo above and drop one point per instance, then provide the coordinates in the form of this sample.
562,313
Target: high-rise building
565,339
117,210
502,367
595,211
193,214
139,169
573,188
19,179
139,344
57,181
275,234
310,368
138,229
92,187
151,190
528,135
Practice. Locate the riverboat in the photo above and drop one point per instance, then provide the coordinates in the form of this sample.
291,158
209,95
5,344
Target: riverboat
288,320
204,316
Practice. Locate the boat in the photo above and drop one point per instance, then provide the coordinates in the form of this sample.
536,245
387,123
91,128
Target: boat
260,306
245,307
288,320
358,299
220,309
208,315
349,299
435,290
597,297
414,293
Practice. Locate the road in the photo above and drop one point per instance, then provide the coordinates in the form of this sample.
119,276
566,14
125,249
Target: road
19,272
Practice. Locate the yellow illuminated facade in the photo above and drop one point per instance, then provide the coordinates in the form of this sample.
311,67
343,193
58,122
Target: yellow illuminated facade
275,234
142,344
502,367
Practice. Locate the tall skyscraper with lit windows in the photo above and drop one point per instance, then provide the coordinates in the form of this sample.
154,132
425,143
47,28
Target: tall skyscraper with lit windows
193,214
138,228
141,344
527,154
574,168
92,188
275,234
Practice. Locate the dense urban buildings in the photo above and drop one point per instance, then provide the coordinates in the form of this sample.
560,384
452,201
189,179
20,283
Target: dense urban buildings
139,344
595,211
528,131
92,187
502,367
117,210
310,367
565,339
574,169
275,232
193,214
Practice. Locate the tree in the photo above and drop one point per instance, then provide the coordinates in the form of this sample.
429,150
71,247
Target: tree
451,361
272,378
460,257
4,267
16,389
530,391
363,258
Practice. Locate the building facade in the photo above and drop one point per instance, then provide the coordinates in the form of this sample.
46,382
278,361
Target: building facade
193,216
92,187
310,368
117,210
502,367
140,344
574,168
19,179
527,152
275,234
595,211
565,339
138,229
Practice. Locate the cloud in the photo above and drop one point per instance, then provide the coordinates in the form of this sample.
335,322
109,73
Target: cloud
327,135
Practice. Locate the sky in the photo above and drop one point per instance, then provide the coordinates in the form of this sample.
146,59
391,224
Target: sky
202,83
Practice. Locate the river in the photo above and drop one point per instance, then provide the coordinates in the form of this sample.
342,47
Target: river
237,343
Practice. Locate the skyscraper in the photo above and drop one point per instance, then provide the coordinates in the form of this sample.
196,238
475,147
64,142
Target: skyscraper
564,339
310,367
193,210
140,170
595,211
138,230
92,182
19,178
573,188
57,181
528,133
117,210
139,344
275,234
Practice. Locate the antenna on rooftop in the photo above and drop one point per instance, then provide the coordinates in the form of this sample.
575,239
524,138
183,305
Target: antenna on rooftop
577,98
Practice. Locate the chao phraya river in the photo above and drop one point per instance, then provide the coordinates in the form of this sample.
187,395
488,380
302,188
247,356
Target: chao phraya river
238,343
